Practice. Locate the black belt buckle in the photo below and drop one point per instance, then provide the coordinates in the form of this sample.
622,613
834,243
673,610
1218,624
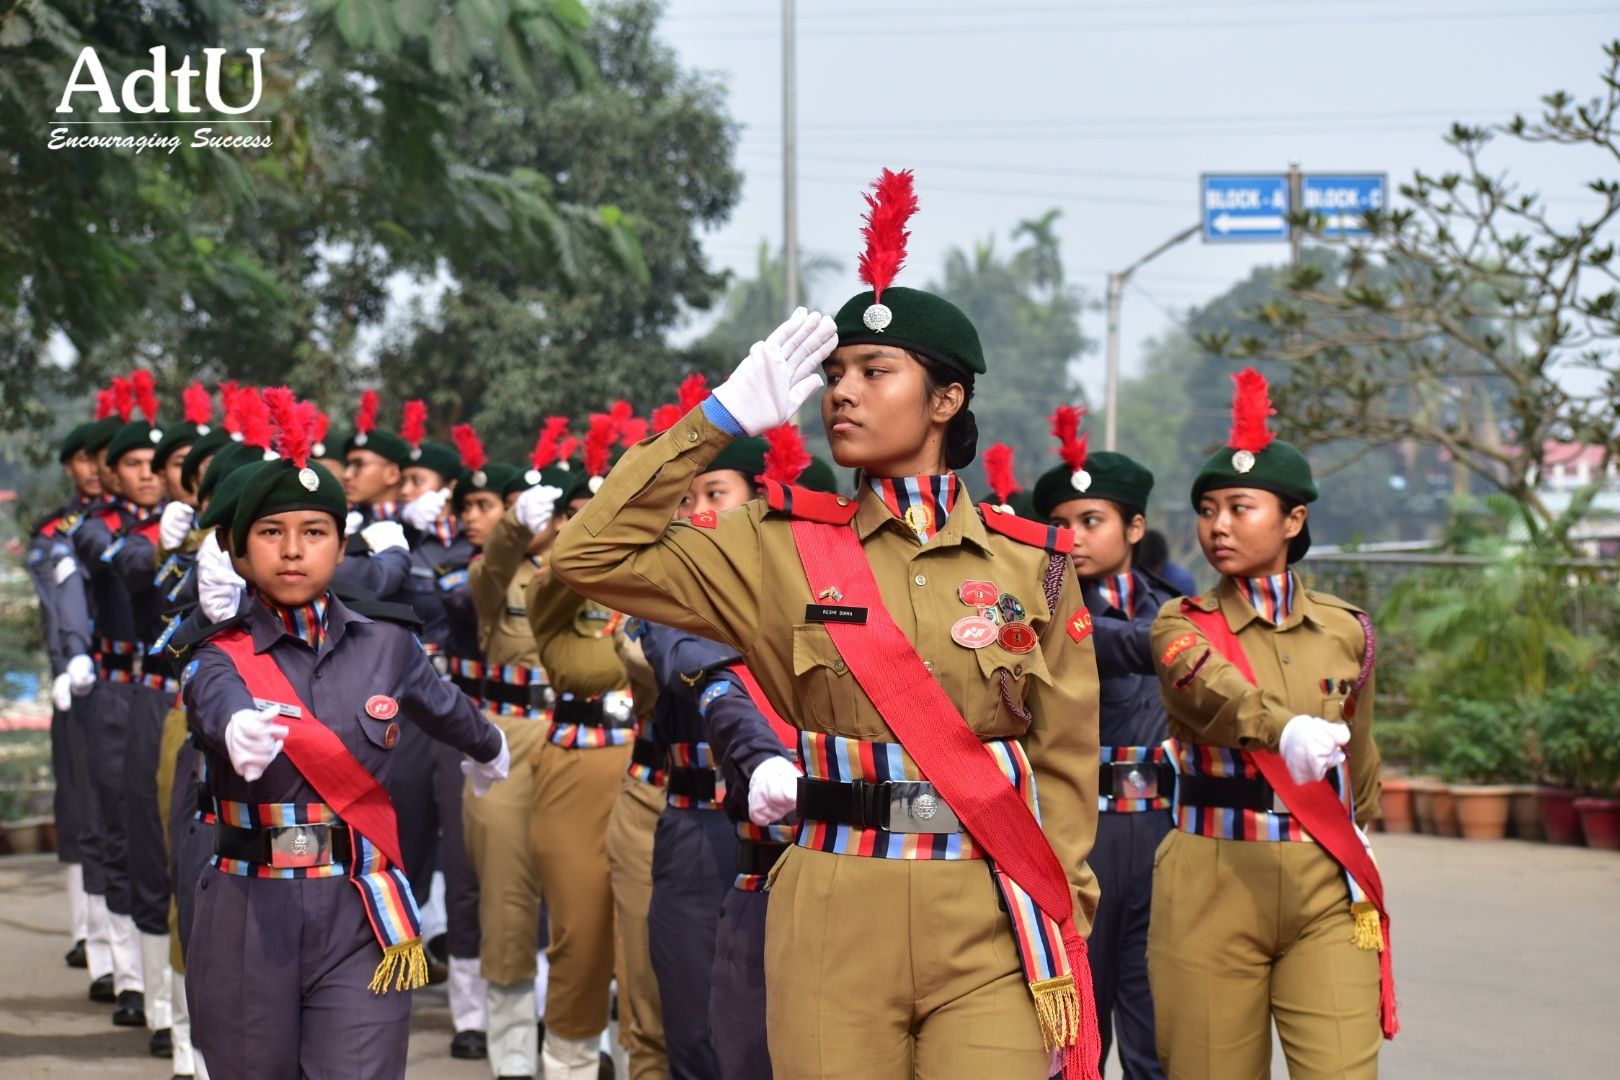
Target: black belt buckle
297,846
913,806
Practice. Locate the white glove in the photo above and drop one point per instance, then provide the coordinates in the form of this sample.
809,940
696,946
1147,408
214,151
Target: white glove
534,507
253,739
352,522
382,535
780,373
1310,746
219,586
421,512
484,774
81,673
62,692
773,791
175,523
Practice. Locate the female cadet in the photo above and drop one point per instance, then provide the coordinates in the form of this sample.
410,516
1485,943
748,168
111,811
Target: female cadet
889,949
1103,498
306,942
1266,904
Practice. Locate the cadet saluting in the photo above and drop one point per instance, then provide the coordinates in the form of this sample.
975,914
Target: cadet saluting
1269,688
871,624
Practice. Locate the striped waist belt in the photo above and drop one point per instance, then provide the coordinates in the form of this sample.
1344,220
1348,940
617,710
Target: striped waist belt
648,764
1133,779
758,848
1220,794
584,723
693,782
895,806
129,662
285,846
504,689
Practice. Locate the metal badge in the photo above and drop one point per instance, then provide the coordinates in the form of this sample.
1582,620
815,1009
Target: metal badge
381,707
480,478
975,592
1080,480
1011,609
915,808
307,477
156,435
1138,780
295,846
877,317
973,632
1243,461
391,736
919,517
532,477
1017,637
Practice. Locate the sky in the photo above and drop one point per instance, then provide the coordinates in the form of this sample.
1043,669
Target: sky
1111,110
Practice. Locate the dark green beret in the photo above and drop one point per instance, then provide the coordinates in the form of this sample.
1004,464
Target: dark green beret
1280,469
442,459
496,477
211,443
234,456
73,441
819,476
174,437
919,321
1114,477
279,486
330,447
745,455
135,435
1023,504
222,500
557,475
384,444
101,433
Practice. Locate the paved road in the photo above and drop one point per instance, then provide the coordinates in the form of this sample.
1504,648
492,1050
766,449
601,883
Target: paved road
1507,955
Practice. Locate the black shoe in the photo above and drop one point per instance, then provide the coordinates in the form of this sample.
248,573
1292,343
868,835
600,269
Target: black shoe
75,956
161,1043
438,970
131,1011
604,1069
469,1046
102,990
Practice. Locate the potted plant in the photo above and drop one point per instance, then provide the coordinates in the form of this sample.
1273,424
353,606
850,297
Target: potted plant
1560,741
1484,756
1598,774
1395,793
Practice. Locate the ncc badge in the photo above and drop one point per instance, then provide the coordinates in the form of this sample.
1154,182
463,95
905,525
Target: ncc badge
1080,625
973,632
1176,648
382,707
705,519
1017,637
391,736
976,593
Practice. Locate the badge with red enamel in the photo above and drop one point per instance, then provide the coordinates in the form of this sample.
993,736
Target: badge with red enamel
1017,637
976,593
381,707
1080,625
391,736
973,632
705,519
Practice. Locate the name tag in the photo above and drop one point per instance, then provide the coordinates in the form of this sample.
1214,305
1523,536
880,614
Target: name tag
291,711
834,613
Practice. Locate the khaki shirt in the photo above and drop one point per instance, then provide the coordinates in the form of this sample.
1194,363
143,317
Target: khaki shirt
741,583
499,582
576,639
1210,702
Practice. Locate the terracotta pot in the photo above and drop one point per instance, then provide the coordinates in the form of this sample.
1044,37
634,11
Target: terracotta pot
27,836
1423,790
1396,804
1559,821
1600,820
1525,813
1445,813
1482,810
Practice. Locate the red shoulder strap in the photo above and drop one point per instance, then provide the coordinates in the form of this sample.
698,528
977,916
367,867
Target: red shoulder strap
932,730
1315,805
799,502
1034,533
316,751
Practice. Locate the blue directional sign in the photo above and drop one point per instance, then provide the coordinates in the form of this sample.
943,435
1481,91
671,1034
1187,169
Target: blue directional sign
1343,200
1245,207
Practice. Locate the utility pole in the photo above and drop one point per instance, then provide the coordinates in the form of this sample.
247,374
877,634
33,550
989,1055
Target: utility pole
1296,203
1116,291
790,161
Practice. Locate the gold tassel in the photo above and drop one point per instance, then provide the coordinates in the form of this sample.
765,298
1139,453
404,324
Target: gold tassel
1367,933
403,967
1057,1010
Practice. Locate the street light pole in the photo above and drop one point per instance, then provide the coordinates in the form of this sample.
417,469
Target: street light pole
1116,291
790,161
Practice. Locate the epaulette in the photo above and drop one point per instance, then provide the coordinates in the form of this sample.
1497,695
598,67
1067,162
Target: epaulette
1329,600
111,517
386,611
1199,603
1051,537
798,502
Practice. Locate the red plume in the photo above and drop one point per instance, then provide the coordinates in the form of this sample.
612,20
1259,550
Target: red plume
693,389
599,444
198,404
104,403
1065,428
889,206
546,449
227,404
145,388
785,455
1251,409
123,397
633,431
469,446
366,419
566,448
254,417
998,470
294,424
664,418
322,424
413,423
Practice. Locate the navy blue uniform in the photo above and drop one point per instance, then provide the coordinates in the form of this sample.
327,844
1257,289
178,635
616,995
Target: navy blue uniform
64,623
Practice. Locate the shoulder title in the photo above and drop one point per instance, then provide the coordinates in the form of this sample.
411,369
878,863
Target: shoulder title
1054,539
798,502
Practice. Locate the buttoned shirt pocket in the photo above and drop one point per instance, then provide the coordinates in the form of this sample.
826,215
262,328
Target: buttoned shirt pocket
381,733
1009,678
825,689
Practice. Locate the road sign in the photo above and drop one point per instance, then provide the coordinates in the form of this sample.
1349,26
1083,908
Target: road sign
1244,207
1343,200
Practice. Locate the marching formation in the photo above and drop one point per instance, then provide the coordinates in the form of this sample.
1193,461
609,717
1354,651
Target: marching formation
776,775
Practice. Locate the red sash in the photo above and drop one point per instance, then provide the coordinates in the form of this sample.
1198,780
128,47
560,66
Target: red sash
933,731
1317,807
316,751
780,727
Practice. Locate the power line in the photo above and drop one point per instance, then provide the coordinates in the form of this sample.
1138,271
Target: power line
1023,121
1070,196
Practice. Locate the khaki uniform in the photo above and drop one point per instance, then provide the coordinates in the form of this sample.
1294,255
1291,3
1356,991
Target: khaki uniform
629,852
497,824
574,792
1249,931
874,967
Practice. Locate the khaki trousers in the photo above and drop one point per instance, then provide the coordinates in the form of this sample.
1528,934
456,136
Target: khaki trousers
629,853
1247,932
497,830
573,795
885,969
